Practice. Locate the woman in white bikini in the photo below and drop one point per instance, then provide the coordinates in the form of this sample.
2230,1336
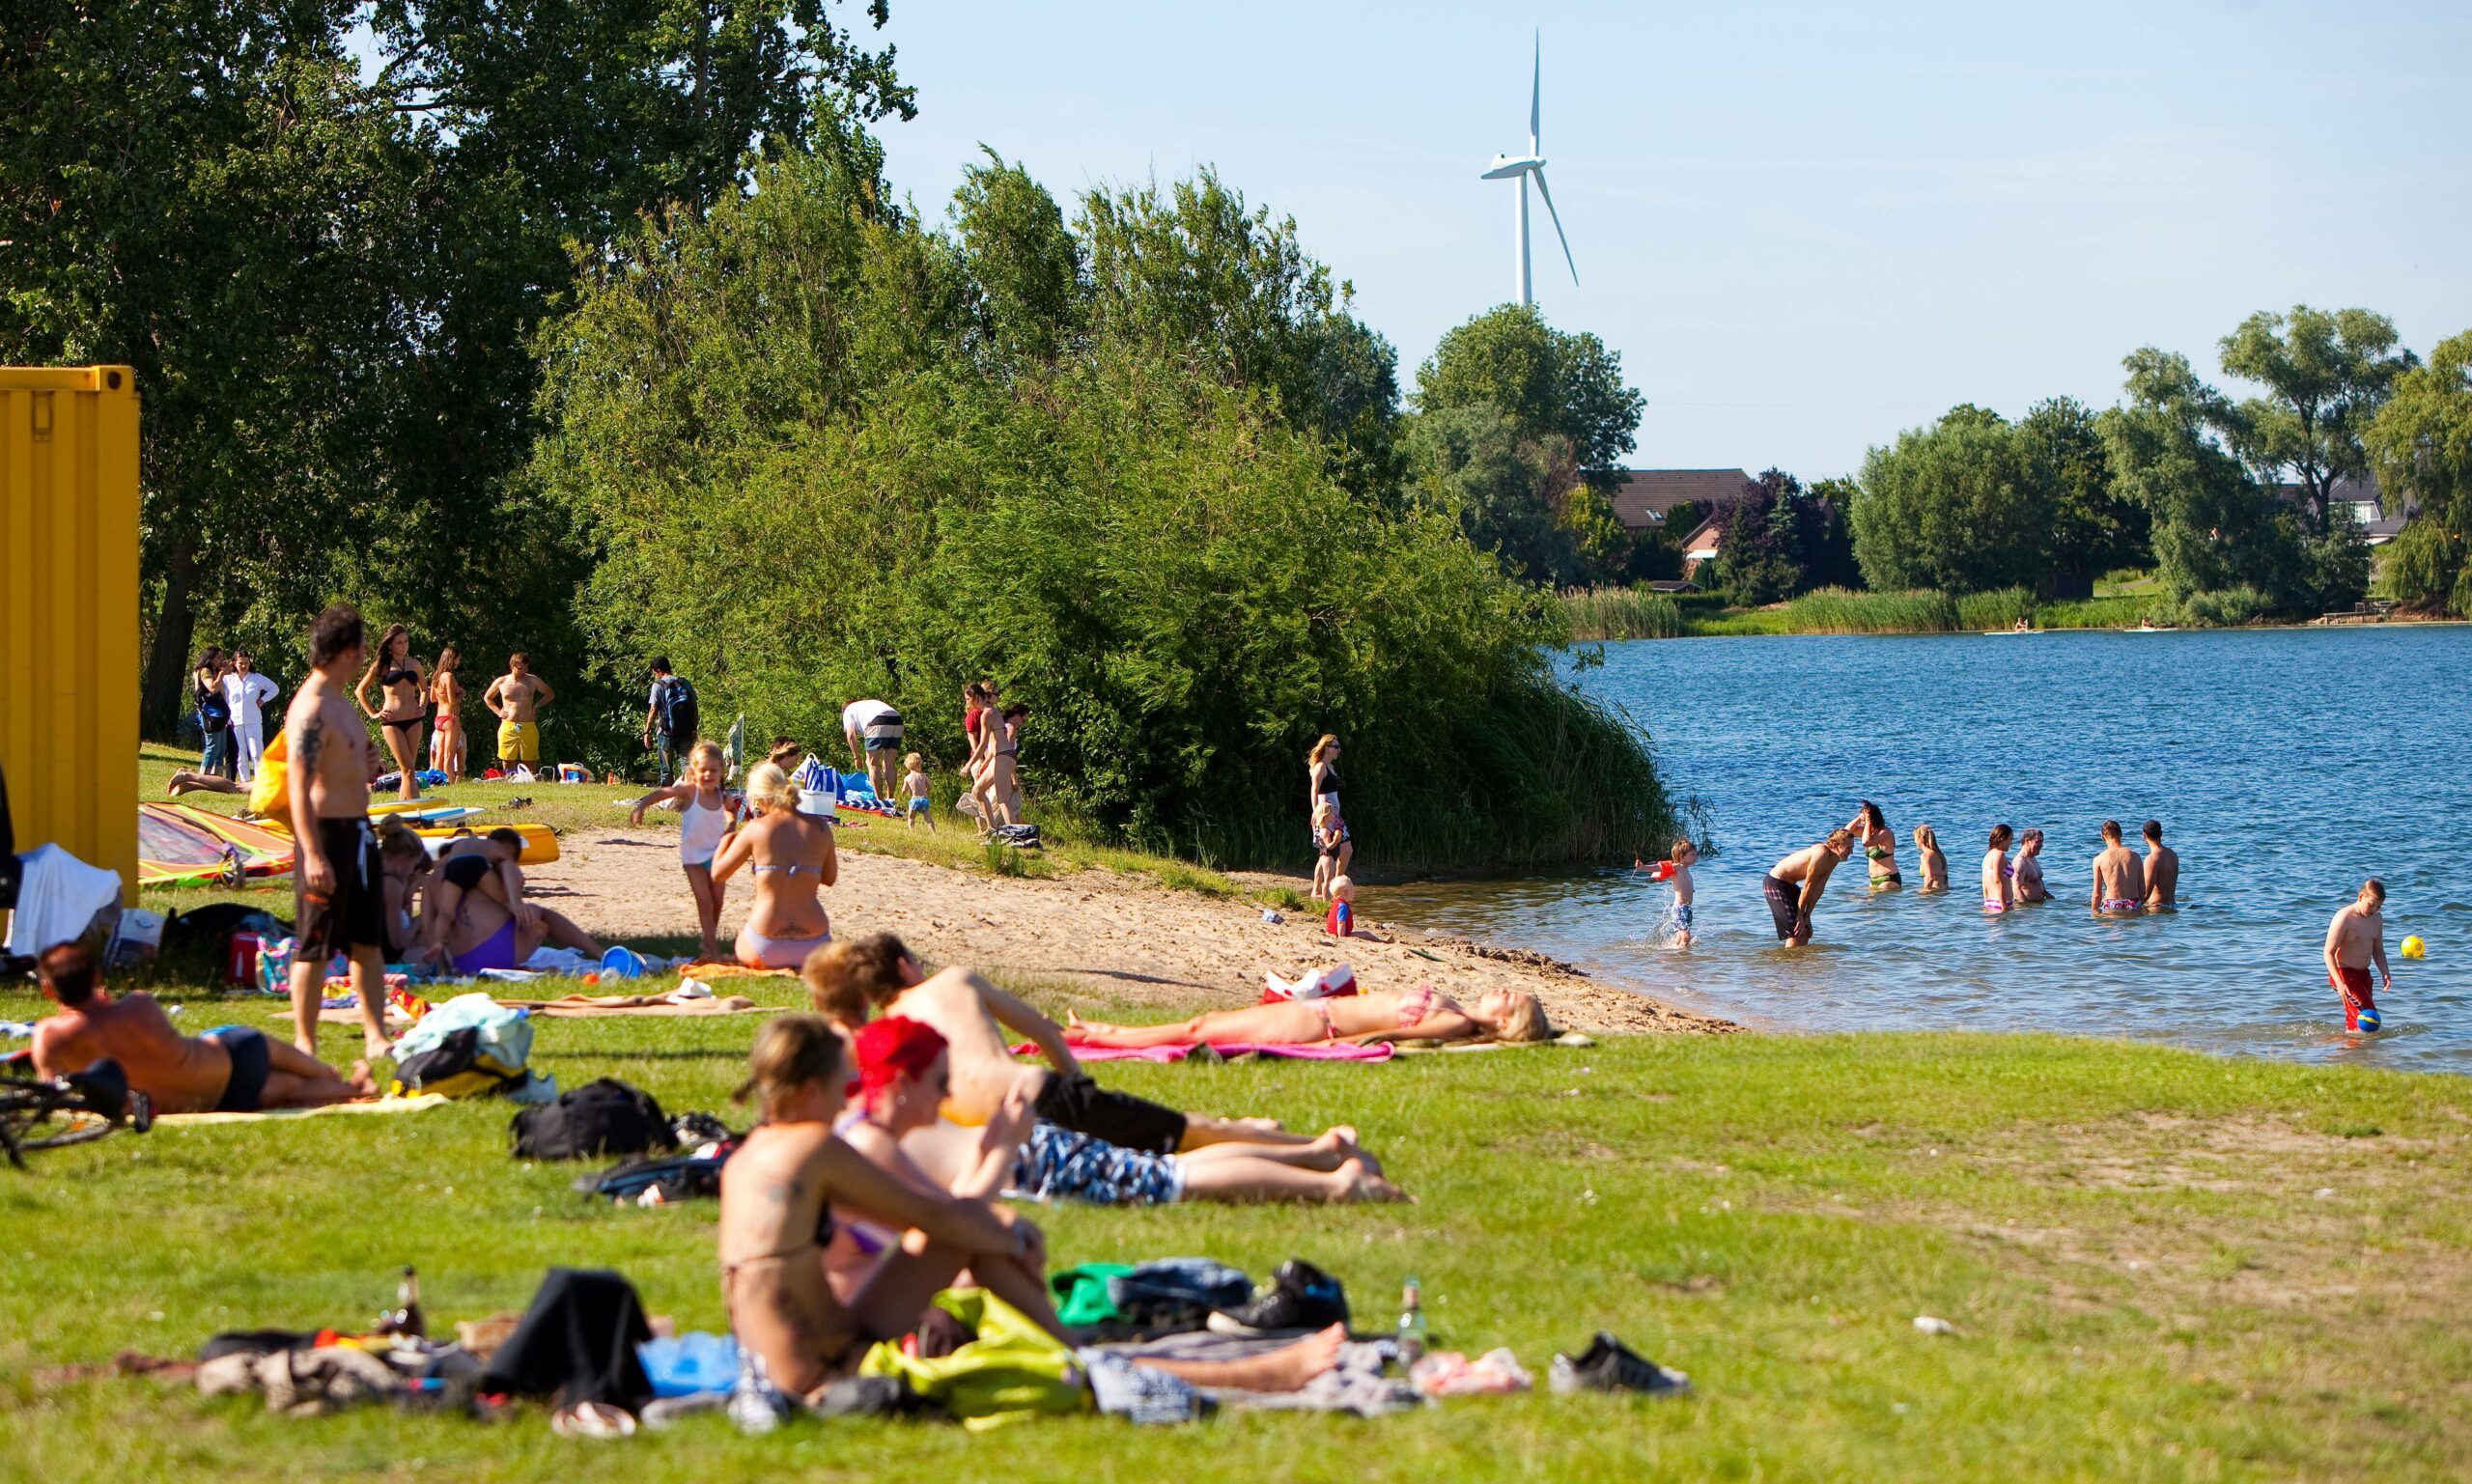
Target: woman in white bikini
1999,889
703,823
791,856
1421,1013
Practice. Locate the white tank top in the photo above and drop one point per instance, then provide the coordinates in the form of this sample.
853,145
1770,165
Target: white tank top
700,832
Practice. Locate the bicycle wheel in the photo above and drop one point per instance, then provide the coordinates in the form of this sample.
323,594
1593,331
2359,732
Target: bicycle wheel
67,1126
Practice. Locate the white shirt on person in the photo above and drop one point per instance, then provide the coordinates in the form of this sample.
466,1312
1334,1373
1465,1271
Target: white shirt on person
245,693
859,716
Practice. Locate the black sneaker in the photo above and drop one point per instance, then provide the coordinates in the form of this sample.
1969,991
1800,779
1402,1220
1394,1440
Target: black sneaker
1300,1297
1610,1365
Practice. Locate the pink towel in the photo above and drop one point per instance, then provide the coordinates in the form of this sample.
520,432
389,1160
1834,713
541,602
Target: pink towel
1325,1050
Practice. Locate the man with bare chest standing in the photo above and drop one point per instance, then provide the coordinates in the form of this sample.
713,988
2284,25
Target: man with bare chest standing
339,884
2354,941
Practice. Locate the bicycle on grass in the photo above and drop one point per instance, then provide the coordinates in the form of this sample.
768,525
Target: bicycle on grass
49,1113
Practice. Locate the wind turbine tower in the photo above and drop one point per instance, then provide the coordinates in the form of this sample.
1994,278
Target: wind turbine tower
1523,168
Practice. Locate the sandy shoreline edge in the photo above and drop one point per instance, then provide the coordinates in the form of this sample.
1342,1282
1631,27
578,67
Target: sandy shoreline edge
1118,938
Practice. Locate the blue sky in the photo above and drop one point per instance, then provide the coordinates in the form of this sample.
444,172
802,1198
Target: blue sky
1804,227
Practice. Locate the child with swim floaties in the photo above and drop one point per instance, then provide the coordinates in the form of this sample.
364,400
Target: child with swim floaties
704,812
1683,856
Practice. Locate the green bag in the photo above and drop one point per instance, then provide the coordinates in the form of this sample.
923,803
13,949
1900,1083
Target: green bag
1014,1371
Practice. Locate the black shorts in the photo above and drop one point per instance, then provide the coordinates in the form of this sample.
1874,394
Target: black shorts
1083,1106
1785,904
354,916
246,1046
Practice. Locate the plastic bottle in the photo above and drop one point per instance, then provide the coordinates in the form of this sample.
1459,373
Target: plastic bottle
1414,1337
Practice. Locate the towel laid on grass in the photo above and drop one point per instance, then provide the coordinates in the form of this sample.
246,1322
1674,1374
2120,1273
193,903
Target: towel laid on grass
1319,1050
374,1105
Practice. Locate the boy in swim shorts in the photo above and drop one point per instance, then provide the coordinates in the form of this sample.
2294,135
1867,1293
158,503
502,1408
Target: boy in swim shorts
914,788
1683,856
2355,939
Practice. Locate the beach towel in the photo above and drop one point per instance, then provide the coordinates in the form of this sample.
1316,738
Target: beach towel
1566,1038
372,1106
1320,1050
721,970
577,1006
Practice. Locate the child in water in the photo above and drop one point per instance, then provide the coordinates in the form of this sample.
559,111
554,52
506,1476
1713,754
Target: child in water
913,786
1935,863
703,823
1329,835
1684,855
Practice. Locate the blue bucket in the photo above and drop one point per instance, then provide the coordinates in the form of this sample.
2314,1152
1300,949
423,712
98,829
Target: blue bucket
621,962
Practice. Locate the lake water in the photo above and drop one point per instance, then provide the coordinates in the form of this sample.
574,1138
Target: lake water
2285,765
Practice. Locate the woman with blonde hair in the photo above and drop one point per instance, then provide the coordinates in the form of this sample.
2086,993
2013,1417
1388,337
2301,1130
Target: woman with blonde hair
1421,1014
446,728
778,1194
1322,787
1935,862
402,683
791,856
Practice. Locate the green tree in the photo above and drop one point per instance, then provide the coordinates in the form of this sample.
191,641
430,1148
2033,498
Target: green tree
1960,506
2422,445
2091,527
2326,374
2214,528
1546,380
1026,262
1471,465
1779,540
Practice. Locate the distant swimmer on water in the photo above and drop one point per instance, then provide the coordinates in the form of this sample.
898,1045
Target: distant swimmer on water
1928,855
2119,881
2029,867
1879,844
1793,886
2162,869
2354,941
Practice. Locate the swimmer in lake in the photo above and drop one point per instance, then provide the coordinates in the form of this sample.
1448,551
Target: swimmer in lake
2119,882
2029,868
1929,856
2162,869
1879,845
1999,887
1684,855
1793,886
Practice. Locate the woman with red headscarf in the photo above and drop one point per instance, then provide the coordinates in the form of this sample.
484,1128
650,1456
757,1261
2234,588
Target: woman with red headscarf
777,1194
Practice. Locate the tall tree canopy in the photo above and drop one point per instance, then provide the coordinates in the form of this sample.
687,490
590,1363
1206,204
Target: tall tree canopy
1546,380
1777,539
327,283
2422,442
2325,375
2089,525
1961,506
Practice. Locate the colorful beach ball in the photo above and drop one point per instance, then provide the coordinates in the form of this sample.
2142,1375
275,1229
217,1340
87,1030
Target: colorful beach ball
2414,948
2369,1020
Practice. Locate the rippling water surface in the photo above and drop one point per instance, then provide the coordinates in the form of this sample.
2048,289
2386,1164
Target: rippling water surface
2284,765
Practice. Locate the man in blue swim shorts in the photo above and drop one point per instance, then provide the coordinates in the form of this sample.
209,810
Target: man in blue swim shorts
230,1069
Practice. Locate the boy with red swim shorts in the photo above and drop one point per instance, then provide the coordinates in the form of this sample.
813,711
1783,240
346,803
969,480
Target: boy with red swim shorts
2355,939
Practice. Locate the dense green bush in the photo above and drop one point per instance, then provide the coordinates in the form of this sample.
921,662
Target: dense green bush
1838,610
2225,607
1621,613
1997,610
823,453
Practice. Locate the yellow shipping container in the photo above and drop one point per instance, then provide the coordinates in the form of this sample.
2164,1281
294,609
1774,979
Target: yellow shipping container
68,611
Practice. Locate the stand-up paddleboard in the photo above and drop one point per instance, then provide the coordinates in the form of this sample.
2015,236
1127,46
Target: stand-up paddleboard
539,841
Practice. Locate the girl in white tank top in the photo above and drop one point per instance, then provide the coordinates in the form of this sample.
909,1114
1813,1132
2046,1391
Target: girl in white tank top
703,823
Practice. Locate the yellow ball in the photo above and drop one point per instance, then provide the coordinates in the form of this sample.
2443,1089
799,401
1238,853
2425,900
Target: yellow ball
2414,948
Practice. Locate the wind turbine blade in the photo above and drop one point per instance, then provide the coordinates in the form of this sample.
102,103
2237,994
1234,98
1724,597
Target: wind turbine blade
1558,223
1536,94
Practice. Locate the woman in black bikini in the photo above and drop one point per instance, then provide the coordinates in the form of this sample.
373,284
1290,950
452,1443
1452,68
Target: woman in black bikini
401,677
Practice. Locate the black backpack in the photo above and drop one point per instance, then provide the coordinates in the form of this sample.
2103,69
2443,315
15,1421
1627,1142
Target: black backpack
607,1117
679,714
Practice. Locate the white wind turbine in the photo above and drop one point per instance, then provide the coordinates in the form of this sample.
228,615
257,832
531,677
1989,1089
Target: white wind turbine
1523,168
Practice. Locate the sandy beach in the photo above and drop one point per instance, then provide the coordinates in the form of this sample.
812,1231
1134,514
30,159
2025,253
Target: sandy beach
1122,939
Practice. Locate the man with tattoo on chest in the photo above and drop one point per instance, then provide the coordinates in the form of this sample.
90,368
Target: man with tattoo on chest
339,884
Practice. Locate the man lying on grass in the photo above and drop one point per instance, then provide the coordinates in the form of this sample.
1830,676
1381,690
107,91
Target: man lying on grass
849,980
808,1324
230,1069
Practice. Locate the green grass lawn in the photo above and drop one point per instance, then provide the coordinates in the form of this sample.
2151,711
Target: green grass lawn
2162,1266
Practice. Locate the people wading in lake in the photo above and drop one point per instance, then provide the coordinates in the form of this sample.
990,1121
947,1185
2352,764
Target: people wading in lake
2028,868
2119,881
1322,787
2162,869
1999,885
402,683
1793,886
1929,857
2354,941
1870,828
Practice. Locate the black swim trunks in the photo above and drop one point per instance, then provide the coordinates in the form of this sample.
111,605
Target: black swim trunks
354,915
466,871
1784,903
246,1045
1083,1106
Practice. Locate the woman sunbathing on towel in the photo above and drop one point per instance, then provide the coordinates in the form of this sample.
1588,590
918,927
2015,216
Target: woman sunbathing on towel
809,1328
1421,1014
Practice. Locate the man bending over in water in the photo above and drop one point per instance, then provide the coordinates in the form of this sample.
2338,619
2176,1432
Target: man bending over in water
2354,941
1793,886
848,979
2119,882
230,1069
2162,868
